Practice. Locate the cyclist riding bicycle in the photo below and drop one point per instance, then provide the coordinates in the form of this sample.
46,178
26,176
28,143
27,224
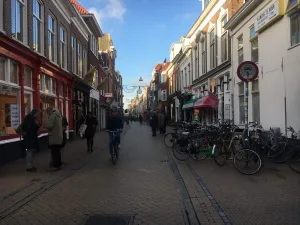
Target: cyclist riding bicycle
114,124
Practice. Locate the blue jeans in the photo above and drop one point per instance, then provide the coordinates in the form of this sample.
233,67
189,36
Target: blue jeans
117,139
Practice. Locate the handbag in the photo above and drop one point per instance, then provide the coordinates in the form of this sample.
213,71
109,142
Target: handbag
82,129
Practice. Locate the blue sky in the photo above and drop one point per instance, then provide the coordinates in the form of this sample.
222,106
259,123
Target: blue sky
143,31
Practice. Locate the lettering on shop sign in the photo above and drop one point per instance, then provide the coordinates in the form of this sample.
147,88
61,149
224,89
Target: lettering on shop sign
14,116
267,16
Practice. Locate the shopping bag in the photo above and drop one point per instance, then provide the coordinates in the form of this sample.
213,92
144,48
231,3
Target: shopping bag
82,129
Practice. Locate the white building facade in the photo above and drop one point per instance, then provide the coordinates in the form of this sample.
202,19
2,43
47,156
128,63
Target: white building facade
268,33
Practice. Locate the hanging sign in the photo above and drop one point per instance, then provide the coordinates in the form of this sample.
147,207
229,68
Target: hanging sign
247,71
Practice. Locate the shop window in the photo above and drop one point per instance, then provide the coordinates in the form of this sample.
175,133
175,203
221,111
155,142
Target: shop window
2,68
240,49
37,26
212,49
47,85
13,72
51,37
53,86
295,29
242,103
9,109
27,102
17,19
27,77
61,89
255,101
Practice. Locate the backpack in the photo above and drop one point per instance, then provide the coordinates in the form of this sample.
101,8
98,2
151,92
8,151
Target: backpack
20,130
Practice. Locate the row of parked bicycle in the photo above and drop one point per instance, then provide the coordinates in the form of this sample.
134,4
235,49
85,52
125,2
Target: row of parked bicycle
247,147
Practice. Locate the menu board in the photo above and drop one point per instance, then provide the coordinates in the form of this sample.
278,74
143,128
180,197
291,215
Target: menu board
14,116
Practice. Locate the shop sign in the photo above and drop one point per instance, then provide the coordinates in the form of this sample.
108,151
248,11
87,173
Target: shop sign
108,95
268,16
14,116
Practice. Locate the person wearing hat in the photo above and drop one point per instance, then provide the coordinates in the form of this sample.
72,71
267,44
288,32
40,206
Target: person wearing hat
30,127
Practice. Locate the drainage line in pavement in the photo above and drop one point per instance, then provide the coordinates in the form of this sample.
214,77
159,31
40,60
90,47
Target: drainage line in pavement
18,205
186,199
217,207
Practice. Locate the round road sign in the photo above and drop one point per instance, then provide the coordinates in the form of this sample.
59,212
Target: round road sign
247,71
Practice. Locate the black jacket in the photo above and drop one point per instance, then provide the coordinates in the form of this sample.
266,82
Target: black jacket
31,128
154,122
91,123
114,123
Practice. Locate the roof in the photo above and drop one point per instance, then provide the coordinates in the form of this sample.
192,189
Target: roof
79,7
165,66
158,66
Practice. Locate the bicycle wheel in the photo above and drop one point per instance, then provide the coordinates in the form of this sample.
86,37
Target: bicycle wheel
247,161
277,149
220,155
180,153
169,139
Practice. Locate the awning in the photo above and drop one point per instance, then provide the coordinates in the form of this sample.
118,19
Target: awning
209,101
189,104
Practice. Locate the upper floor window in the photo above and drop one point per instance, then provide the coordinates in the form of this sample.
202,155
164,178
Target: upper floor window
51,38
204,56
291,4
63,48
73,49
163,78
37,26
224,40
206,3
212,49
295,29
254,44
17,19
94,44
240,49
9,70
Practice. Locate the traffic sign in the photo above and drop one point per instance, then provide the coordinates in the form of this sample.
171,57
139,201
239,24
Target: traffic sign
247,71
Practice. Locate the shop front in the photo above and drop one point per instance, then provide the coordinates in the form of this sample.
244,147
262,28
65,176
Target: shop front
27,81
188,109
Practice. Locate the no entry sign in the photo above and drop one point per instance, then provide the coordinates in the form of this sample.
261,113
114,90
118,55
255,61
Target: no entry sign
247,71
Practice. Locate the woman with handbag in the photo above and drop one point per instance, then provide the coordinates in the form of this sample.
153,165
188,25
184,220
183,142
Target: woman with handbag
90,131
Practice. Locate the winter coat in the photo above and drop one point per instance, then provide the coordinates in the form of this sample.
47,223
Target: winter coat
31,127
91,123
65,124
114,123
161,120
154,121
55,128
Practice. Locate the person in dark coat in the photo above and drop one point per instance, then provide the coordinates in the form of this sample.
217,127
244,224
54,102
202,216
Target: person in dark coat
30,127
154,123
90,131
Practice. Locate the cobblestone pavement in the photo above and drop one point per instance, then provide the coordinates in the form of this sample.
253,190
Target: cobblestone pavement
149,186
140,185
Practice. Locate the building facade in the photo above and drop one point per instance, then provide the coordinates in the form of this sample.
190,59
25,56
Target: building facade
255,29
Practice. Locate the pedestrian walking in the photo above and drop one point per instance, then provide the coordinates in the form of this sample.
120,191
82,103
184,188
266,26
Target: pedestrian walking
29,130
55,133
161,123
90,131
154,123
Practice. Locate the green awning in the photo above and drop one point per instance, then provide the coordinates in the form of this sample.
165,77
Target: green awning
189,104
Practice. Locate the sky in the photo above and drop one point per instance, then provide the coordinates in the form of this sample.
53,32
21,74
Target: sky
143,32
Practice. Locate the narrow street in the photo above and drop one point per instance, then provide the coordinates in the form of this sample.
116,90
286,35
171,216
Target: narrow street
147,186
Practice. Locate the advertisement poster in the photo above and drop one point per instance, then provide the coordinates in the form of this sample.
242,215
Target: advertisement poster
14,116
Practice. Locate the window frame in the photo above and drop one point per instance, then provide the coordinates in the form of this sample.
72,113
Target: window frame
257,93
31,72
204,55
22,21
212,49
63,47
224,43
74,53
40,34
53,32
240,48
295,16
241,96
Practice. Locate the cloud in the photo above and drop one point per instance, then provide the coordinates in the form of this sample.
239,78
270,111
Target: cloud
113,9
